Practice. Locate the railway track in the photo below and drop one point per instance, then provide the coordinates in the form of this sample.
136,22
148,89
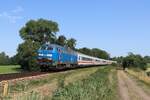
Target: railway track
23,75
12,76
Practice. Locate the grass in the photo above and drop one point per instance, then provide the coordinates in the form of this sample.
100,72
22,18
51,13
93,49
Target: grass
142,79
28,88
97,86
80,84
93,83
4,69
141,75
141,83
148,64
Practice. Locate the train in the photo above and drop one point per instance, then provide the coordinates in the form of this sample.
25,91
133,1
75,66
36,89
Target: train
53,56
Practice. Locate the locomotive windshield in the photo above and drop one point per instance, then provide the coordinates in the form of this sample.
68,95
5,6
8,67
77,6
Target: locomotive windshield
45,47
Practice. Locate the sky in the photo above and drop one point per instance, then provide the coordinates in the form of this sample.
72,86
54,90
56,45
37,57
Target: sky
116,26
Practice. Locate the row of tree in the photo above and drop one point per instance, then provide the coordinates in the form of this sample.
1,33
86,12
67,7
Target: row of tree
63,41
95,52
133,60
6,60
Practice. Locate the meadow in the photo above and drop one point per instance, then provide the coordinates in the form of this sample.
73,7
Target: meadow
4,69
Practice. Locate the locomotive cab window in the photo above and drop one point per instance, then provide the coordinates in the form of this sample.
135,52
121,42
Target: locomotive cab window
50,48
43,47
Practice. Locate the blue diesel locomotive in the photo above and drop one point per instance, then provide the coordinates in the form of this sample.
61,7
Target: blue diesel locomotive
55,56
52,56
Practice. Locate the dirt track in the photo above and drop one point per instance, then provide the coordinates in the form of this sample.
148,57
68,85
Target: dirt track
128,89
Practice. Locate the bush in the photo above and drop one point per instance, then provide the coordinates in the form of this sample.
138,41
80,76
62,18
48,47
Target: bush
114,64
134,61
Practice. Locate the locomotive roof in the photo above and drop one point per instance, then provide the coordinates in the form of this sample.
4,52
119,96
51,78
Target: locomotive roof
63,47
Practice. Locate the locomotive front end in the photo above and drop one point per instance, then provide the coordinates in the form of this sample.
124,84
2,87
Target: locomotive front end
45,54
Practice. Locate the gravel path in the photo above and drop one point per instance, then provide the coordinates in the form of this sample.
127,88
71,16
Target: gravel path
128,88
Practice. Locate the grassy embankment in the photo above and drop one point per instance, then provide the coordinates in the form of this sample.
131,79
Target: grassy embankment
140,74
141,77
39,89
80,84
9,69
100,85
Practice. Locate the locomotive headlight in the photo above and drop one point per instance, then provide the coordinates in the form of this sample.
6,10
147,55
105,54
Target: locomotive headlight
49,55
40,54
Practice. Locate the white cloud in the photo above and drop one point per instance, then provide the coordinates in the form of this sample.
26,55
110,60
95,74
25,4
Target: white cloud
18,9
13,15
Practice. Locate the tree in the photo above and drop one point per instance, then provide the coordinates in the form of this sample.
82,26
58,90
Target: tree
133,60
100,53
61,40
27,55
41,31
71,43
35,33
118,59
85,50
14,60
95,52
147,59
4,59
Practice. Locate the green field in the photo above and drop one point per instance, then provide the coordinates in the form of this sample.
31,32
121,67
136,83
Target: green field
9,69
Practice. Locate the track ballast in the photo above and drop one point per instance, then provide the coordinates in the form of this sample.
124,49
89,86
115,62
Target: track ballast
11,76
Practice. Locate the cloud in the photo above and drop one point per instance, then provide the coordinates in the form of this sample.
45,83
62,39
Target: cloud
13,15
18,9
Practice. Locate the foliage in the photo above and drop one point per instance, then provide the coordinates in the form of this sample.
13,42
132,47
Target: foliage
114,64
4,59
85,50
14,60
27,55
100,53
118,59
61,40
71,43
147,59
95,52
40,30
133,60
